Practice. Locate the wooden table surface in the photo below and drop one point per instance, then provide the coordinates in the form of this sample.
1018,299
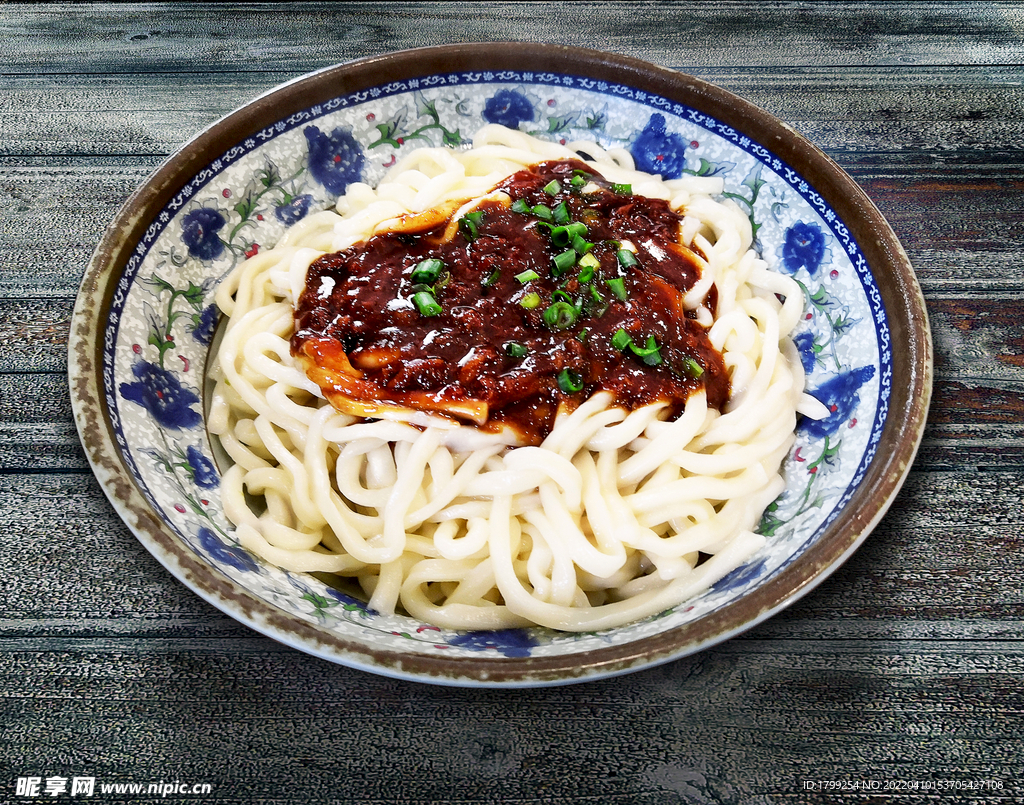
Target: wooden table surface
901,678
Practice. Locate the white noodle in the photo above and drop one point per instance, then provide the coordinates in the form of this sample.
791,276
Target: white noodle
598,526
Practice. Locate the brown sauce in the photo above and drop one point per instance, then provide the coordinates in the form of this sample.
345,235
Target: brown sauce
481,352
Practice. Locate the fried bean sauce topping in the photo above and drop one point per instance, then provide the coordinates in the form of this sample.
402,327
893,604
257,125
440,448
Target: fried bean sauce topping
558,286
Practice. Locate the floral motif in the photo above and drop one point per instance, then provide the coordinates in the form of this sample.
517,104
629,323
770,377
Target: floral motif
350,603
393,132
656,150
293,211
840,396
739,576
808,350
803,247
199,230
204,324
162,394
508,108
227,554
202,470
510,642
335,159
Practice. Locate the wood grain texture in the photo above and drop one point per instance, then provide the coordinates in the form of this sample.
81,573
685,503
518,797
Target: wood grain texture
905,664
120,709
177,38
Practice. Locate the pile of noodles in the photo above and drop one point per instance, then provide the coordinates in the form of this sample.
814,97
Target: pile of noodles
618,515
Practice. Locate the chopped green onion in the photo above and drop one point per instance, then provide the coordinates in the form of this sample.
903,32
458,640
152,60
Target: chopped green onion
521,205
693,369
621,339
569,381
527,276
426,271
622,189
530,301
560,214
491,278
650,353
552,187
617,286
581,336
580,245
596,306
576,228
564,296
560,236
577,179
469,224
588,262
560,315
515,350
543,212
626,258
564,261
586,274
426,304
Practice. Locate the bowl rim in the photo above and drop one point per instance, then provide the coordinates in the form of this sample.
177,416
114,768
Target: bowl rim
901,294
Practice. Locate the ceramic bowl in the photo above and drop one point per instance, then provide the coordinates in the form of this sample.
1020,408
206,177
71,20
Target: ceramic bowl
144,319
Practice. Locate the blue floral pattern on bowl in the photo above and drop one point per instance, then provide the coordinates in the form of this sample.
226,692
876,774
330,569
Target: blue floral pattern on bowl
162,318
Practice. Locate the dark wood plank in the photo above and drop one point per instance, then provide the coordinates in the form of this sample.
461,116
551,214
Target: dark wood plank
201,710
207,37
76,569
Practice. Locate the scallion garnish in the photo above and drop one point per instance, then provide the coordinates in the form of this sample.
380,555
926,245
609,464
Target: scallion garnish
491,278
521,205
577,180
617,286
560,236
622,189
560,214
626,258
563,262
581,336
425,303
650,353
426,271
580,245
621,339
569,381
552,187
469,224
527,276
560,315
515,350
693,369
589,264
530,301
543,212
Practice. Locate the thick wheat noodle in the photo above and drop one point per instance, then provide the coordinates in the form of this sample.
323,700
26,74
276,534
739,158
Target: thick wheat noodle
617,516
